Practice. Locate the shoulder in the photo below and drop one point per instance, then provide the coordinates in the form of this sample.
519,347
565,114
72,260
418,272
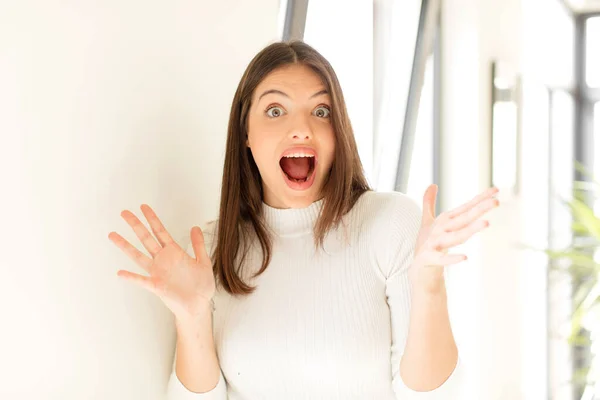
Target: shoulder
390,223
393,210
388,199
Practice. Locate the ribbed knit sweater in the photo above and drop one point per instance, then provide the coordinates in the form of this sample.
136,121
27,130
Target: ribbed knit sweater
322,324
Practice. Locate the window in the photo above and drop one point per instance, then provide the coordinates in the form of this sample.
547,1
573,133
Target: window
374,64
422,163
352,60
395,33
596,131
562,363
597,121
585,356
592,52
505,125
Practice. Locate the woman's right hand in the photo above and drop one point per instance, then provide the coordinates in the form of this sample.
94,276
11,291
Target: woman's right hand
184,284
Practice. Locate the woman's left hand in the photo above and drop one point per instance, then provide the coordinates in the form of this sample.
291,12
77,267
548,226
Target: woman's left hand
439,234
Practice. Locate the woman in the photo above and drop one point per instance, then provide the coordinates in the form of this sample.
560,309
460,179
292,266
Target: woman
313,286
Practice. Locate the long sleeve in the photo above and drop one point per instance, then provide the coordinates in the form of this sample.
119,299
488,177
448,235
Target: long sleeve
404,227
175,388
328,324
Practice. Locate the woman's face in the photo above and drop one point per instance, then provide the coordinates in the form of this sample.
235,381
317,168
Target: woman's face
291,136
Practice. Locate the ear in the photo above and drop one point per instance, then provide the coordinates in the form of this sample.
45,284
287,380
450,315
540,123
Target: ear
247,142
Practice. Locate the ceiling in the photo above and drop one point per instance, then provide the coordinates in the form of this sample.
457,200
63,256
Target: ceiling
583,6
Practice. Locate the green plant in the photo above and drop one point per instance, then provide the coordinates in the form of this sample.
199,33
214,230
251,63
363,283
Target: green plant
579,261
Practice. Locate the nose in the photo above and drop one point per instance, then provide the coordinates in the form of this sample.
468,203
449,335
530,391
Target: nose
300,129
301,136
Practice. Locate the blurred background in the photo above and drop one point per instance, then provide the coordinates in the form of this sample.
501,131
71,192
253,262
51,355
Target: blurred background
108,105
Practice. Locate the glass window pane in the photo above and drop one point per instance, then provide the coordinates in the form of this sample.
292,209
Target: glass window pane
560,286
534,229
395,28
597,146
352,60
592,52
504,144
597,152
421,163
597,149
597,120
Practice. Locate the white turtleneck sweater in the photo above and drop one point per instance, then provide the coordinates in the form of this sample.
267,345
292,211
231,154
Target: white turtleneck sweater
322,324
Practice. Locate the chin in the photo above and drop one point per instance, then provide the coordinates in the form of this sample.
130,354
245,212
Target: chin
289,198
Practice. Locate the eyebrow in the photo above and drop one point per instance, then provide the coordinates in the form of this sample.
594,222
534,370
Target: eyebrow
324,91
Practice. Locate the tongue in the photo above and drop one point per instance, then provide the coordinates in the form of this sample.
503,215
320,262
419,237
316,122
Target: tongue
296,168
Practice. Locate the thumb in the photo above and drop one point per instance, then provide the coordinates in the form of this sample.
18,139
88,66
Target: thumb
198,242
429,199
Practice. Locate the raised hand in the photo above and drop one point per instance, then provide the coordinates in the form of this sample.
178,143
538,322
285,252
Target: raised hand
439,234
184,284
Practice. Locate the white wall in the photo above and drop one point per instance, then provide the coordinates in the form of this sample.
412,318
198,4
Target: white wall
105,106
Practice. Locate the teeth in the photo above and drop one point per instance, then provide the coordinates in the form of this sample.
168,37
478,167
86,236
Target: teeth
297,155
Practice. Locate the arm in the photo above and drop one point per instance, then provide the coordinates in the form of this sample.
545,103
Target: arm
196,363
418,349
425,363
430,355
430,358
196,372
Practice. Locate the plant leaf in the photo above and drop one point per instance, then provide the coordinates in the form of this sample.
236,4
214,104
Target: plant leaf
584,171
585,216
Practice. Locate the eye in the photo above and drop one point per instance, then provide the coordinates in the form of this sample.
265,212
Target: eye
322,112
274,112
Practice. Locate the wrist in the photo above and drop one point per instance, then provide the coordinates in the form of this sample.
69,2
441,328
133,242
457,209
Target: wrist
432,287
429,300
200,317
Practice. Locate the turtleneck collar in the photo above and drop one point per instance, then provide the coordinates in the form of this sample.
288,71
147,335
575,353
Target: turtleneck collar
292,221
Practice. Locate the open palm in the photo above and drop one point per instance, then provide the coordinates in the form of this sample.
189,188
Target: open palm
449,229
184,284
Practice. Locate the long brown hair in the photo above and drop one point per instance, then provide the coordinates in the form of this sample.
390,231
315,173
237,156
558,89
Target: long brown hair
241,208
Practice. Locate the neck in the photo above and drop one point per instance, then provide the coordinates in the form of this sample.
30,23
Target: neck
292,221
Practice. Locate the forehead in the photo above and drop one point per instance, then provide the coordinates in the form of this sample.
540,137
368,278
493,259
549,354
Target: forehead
295,79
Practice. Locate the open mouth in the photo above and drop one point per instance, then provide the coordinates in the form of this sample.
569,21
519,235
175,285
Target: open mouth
298,167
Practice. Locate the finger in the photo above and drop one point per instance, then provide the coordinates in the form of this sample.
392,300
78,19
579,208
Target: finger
477,199
464,219
451,239
157,227
137,256
140,280
451,259
429,205
198,244
141,232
